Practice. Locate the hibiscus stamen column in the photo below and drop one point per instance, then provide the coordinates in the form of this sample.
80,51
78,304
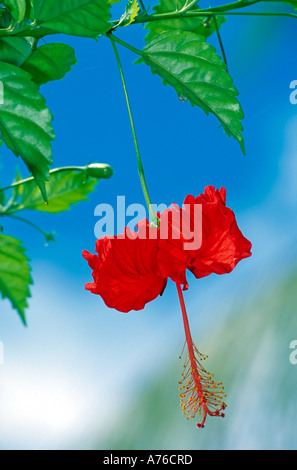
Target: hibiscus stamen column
153,216
199,393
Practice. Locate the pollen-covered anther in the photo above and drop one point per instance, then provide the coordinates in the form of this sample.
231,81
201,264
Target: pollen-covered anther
201,395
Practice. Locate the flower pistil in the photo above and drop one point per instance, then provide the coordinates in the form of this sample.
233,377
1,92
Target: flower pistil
199,393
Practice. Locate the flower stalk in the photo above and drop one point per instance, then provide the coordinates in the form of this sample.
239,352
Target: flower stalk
154,219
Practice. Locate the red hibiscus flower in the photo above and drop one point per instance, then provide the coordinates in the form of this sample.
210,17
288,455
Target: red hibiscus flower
132,269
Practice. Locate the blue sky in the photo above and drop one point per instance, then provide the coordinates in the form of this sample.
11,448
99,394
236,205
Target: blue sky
73,340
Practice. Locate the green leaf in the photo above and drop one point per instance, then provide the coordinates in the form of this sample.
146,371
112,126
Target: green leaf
15,50
132,9
87,18
200,25
63,189
184,61
293,3
50,62
15,277
17,9
25,122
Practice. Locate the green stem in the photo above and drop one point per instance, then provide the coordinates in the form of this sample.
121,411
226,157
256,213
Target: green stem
185,12
48,236
220,41
223,9
234,5
204,14
244,13
142,6
153,216
124,44
55,170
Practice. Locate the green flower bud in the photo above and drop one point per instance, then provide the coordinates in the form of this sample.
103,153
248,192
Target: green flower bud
99,170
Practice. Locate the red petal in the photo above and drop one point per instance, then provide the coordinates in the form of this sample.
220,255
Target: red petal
223,244
91,259
125,275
